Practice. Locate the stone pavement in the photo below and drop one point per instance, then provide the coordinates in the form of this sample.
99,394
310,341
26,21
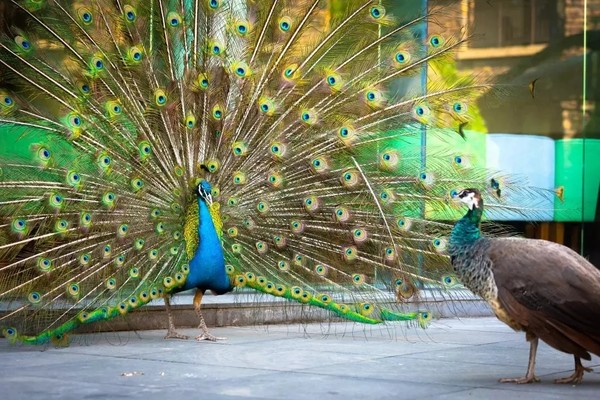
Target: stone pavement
453,359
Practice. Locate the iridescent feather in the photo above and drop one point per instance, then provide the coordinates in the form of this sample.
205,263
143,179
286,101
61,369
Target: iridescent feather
118,110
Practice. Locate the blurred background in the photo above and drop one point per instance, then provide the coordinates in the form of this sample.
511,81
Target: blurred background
546,124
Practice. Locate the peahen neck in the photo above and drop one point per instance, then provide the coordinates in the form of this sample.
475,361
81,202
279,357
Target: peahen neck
466,230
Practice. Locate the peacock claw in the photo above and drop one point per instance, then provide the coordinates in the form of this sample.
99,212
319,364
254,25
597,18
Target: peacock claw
520,381
175,335
209,337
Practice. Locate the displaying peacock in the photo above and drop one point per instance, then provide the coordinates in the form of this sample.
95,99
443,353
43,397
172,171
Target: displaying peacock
165,145
540,287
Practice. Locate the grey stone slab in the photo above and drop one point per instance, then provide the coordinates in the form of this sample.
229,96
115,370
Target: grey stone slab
452,359
308,385
448,372
502,393
367,347
133,372
271,357
23,387
499,354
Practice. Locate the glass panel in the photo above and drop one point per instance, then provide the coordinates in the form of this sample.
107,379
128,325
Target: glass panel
505,23
545,53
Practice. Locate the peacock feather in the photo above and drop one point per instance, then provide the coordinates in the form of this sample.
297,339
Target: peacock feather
218,144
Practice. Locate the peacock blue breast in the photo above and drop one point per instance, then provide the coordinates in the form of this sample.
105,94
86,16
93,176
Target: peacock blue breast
207,267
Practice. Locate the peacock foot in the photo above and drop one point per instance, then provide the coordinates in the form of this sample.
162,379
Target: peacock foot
171,334
576,378
519,381
209,337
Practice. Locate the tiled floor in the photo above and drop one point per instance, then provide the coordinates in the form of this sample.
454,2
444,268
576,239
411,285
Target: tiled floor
453,359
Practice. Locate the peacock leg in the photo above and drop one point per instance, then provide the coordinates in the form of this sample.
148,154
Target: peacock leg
530,376
205,334
171,333
577,376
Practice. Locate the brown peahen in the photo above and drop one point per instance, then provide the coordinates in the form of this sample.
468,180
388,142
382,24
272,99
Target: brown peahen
540,287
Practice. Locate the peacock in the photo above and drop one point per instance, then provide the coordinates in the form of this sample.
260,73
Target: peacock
159,146
540,287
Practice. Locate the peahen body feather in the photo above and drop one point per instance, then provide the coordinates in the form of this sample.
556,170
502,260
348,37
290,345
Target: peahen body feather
127,109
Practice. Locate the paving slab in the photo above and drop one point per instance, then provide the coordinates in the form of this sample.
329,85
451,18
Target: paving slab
452,359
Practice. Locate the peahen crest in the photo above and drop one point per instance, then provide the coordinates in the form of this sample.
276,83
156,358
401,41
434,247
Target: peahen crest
115,110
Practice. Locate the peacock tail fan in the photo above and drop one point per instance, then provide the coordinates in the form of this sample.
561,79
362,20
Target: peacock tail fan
112,111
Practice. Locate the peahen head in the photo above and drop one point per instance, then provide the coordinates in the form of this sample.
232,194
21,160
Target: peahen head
471,197
203,191
466,230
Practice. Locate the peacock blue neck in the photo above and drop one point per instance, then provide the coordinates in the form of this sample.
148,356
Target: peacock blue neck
466,230
207,266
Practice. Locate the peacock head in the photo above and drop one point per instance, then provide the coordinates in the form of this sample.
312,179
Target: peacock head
471,197
204,190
